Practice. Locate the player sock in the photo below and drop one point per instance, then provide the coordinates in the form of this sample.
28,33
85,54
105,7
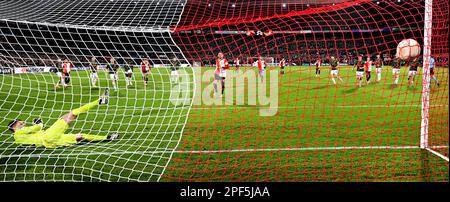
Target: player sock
334,81
223,87
85,108
215,87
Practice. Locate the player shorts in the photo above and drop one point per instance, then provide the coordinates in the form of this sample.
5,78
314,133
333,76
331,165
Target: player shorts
378,70
359,74
223,74
395,71
261,72
94,75
431,71
54,136
59,74
128,73
113,77
334,72
218,77
282,67
412,73
174,73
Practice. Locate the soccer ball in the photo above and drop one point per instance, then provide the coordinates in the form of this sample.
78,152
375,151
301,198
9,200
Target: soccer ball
408,48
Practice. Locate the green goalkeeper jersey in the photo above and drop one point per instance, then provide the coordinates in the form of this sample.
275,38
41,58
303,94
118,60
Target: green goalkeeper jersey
32,135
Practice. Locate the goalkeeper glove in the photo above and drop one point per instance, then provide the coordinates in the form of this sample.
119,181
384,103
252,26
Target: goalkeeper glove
37,121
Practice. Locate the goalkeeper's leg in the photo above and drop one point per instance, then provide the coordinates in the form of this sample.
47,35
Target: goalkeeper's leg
85,108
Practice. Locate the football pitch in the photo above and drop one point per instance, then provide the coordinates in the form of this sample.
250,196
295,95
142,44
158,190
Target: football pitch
321,132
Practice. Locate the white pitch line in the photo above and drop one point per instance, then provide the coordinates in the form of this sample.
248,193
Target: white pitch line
438,154
220,151
315,106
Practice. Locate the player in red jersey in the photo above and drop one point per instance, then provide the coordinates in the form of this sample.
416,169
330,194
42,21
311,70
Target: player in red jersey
282,65
368,68
318,64
237,64
378,65
145,70
261,66
67,69
220,72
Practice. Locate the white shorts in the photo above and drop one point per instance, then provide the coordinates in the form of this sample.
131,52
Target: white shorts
113,77
334,72
395,71
223,74
174,73
412,73
129,71
261,72
59,74
94,75
378,70
359,74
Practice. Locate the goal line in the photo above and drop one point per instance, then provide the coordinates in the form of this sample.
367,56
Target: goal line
230,151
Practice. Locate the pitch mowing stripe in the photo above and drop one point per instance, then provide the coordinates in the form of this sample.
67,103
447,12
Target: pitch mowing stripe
223,151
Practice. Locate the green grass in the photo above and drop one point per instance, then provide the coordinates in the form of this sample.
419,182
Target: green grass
217,141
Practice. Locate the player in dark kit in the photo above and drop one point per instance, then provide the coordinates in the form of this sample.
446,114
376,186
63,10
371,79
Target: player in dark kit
94,68
334,63
413,65
58,71
128,69
174,70
396,65
112,71
359,65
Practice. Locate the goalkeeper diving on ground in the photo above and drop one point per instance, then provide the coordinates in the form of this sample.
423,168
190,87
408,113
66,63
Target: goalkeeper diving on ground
54,136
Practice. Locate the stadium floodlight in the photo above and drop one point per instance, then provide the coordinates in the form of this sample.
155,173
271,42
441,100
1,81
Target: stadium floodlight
284,5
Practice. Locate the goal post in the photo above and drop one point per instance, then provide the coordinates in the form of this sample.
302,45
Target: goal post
426,73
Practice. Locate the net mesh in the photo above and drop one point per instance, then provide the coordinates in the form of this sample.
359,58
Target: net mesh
320,131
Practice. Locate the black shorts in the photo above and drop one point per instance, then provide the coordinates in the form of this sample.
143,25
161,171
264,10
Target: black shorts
282,67
432,71
67,74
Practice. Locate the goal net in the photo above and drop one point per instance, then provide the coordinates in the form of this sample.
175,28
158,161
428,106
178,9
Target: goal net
313,127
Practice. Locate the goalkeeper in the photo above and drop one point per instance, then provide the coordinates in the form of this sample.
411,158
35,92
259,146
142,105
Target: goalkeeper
54,136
